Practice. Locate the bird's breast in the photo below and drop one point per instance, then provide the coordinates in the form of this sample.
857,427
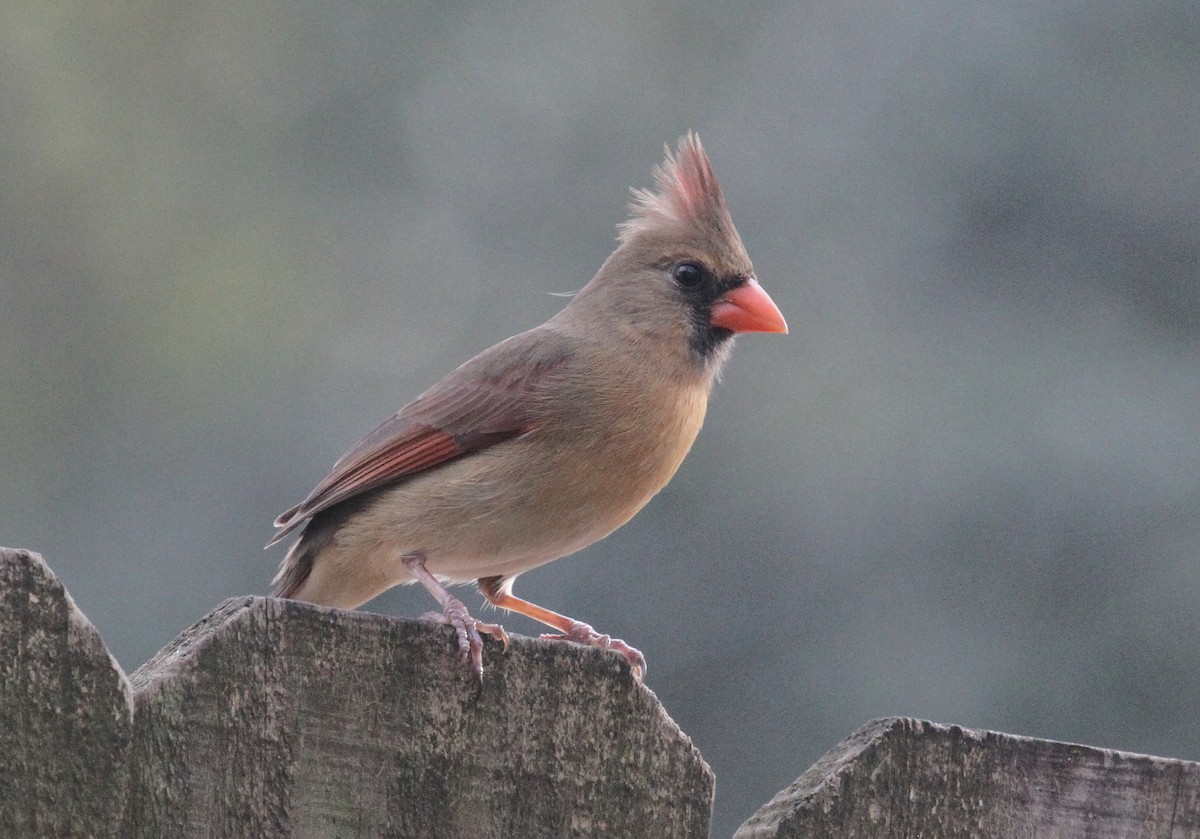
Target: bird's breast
610,463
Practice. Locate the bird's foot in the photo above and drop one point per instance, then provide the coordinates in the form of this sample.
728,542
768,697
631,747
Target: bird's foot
581,633
468,630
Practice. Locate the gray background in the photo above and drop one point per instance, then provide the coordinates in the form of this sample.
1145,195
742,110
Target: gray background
966,487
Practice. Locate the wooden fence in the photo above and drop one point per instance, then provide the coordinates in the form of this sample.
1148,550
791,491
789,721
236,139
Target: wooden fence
277,719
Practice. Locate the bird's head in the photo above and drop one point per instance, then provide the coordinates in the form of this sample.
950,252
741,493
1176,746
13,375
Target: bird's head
681,273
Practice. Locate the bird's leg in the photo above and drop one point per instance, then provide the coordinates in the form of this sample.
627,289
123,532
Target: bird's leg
455,614
492,589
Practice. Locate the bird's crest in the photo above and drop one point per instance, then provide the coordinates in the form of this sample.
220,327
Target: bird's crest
687,195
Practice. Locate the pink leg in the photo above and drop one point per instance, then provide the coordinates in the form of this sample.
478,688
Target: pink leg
570,629
455,614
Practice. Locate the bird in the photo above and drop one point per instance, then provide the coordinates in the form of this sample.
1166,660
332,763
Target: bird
550,440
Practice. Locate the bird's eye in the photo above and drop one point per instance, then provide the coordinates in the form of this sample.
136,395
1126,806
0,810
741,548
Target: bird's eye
688,274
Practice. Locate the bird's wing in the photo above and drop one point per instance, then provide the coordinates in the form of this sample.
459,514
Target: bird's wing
494,397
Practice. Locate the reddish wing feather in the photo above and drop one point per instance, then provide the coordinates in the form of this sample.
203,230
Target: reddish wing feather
407,451
478,405
411,451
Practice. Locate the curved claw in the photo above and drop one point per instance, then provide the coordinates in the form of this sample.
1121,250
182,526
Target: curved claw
455,614
467,629
581,633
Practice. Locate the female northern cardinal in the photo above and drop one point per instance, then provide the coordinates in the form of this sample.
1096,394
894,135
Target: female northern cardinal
550,440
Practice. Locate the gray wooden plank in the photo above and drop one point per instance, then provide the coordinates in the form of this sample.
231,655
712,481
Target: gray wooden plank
274,718
65,711
906,778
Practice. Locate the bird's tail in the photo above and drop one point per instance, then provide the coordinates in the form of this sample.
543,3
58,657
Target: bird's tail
294,570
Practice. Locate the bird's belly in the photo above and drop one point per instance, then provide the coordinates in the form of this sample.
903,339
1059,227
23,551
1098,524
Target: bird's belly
475,518
486,528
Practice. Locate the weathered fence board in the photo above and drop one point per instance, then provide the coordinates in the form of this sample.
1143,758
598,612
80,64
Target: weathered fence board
270,718
65,711
275,718
906,778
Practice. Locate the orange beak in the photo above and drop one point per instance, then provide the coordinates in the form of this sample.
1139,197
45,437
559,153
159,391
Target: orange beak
748,308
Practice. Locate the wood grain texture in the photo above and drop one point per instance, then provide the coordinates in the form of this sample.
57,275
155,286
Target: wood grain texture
907,778
65,711
275,718
271,718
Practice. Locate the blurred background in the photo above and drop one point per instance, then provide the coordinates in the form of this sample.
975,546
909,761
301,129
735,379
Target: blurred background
966,487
